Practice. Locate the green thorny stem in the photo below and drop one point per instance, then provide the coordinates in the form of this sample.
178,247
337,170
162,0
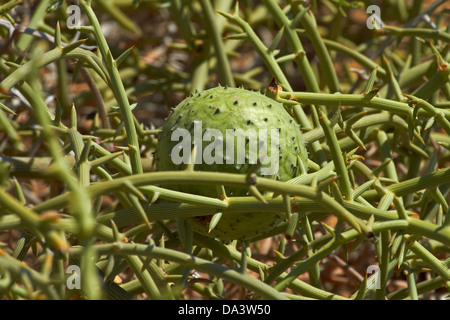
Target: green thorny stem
117,88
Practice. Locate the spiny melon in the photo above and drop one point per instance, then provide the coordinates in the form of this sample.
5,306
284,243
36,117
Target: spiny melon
232,128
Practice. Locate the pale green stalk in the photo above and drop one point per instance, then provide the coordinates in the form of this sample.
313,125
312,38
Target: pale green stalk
117,88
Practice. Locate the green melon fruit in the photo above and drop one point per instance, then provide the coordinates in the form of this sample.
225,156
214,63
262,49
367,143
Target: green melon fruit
252,120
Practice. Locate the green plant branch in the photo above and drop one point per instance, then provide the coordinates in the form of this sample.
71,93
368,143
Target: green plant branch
117,88
217,270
